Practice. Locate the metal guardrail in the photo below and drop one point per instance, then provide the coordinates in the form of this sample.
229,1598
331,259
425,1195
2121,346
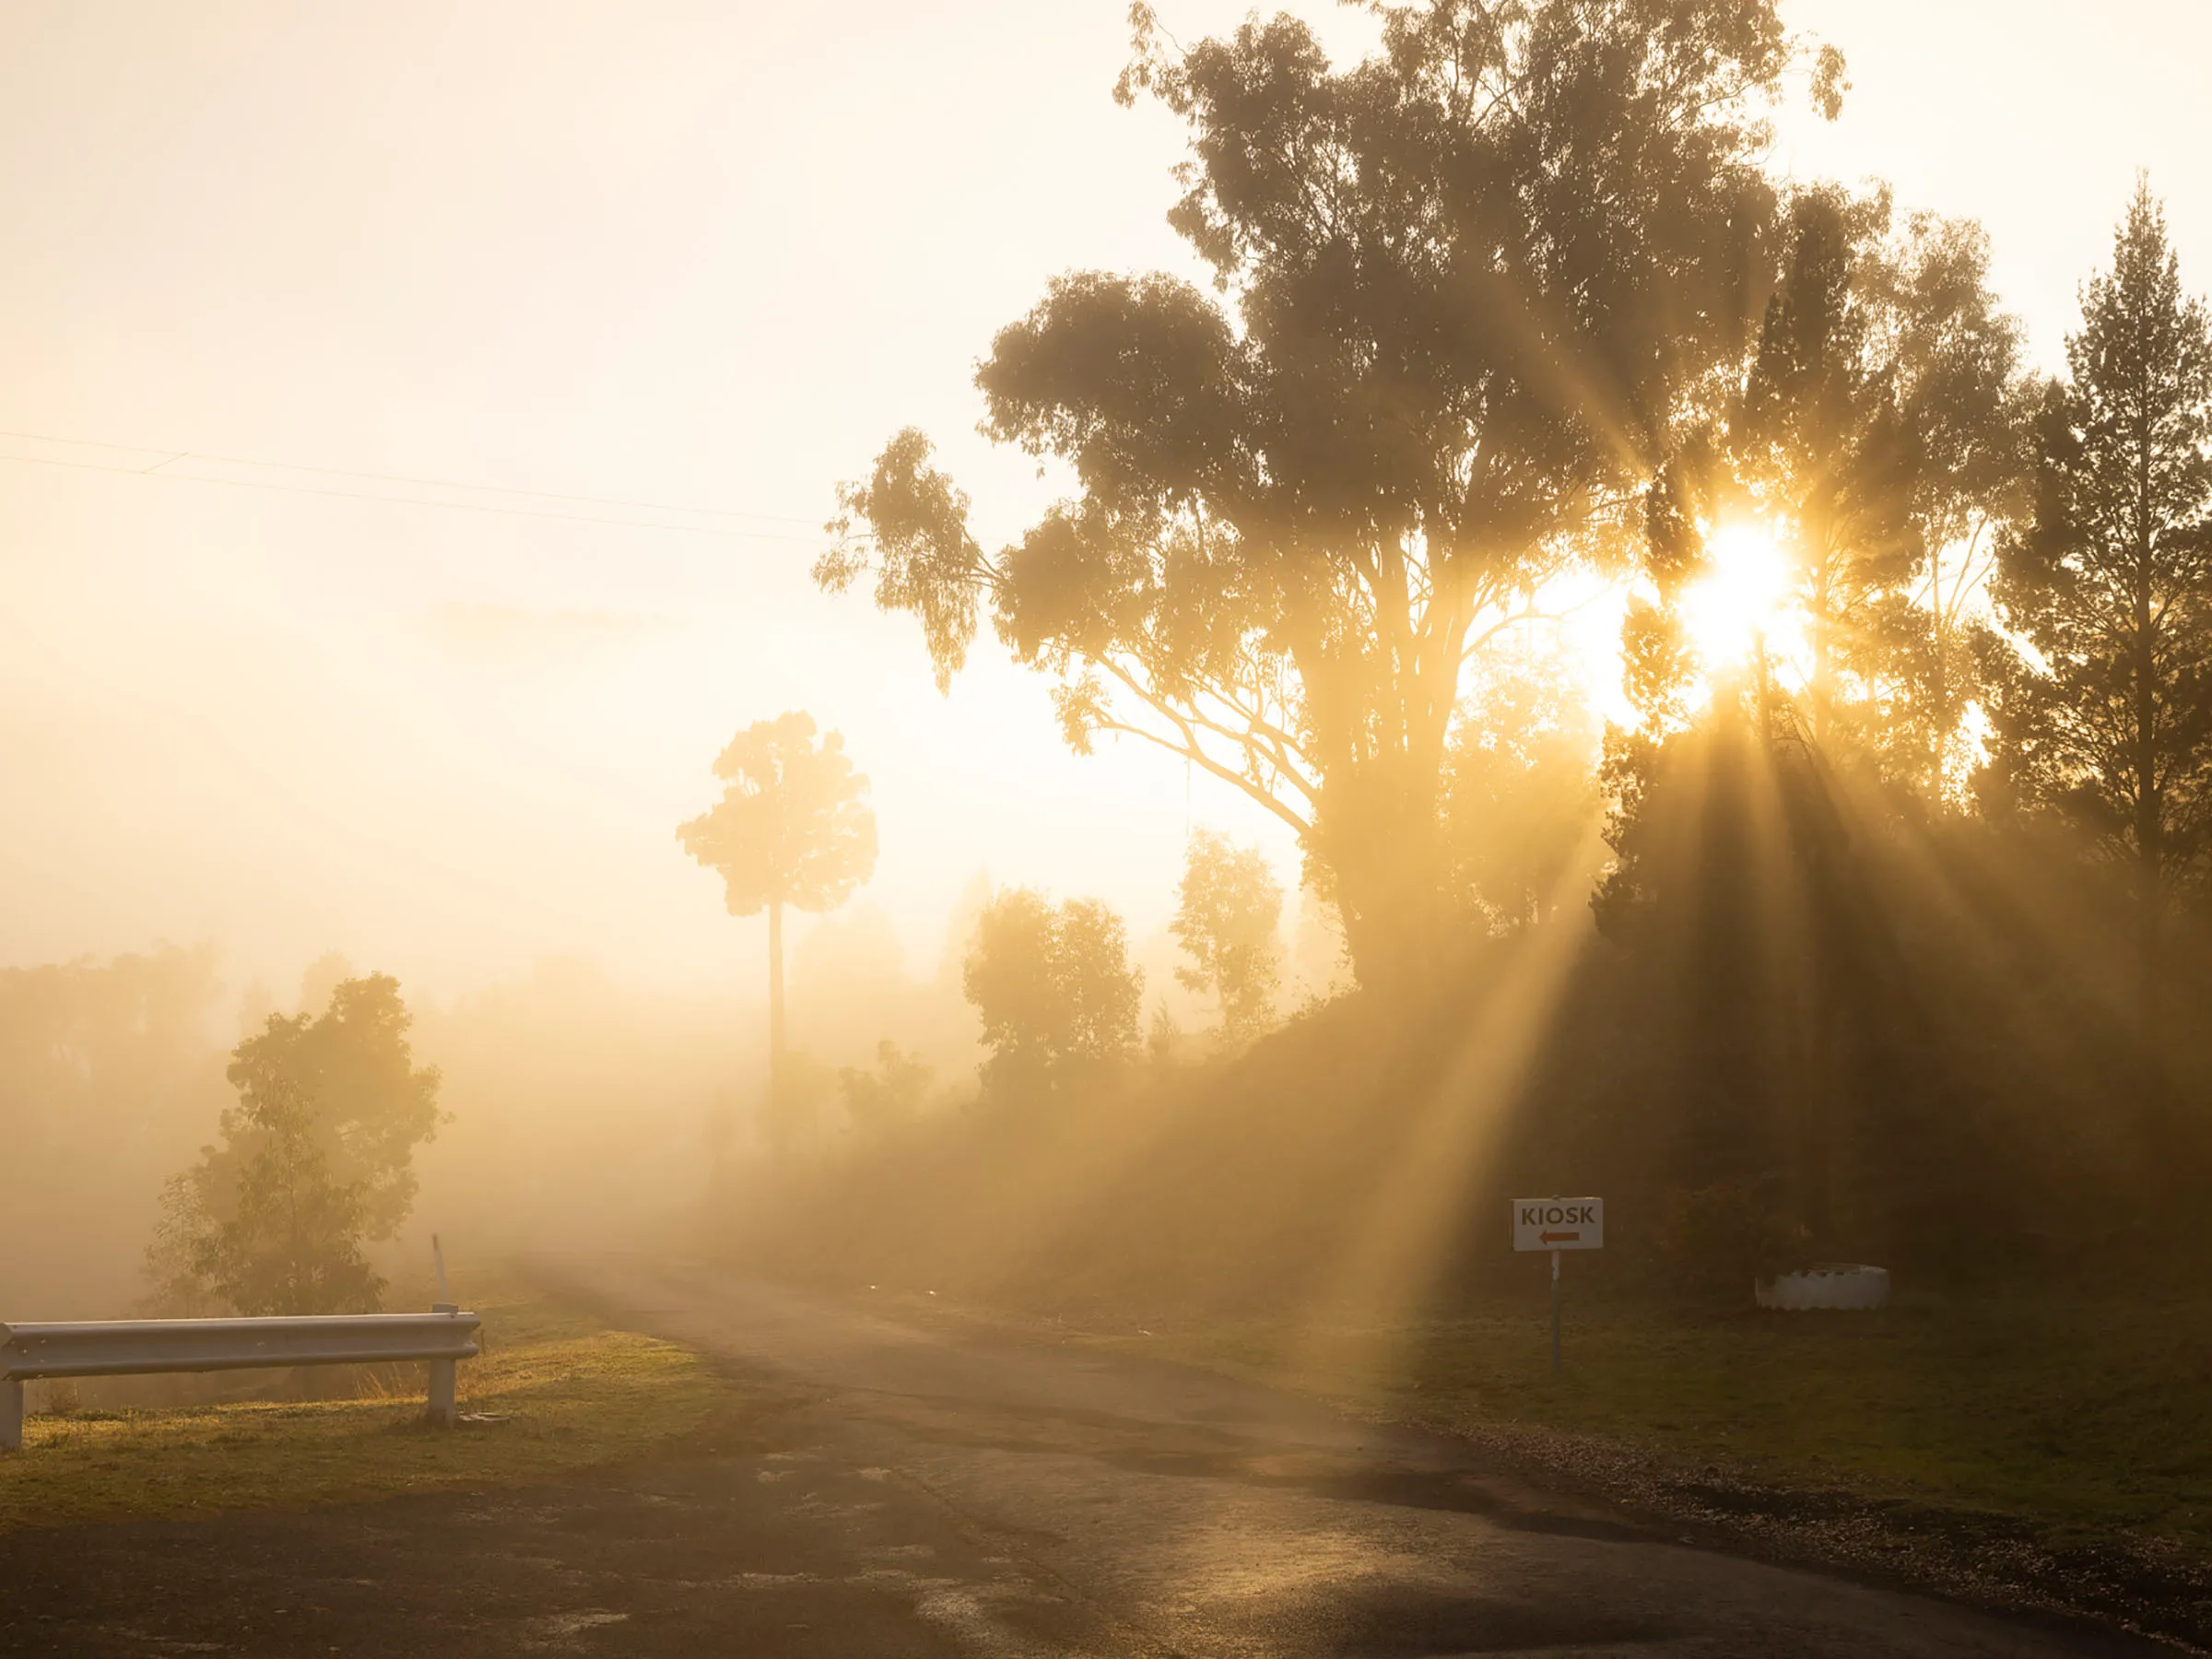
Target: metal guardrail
127,1347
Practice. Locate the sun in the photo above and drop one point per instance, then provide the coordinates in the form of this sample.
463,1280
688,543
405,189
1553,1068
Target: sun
1741,606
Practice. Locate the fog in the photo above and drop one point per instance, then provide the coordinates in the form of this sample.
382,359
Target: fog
417,436
646,257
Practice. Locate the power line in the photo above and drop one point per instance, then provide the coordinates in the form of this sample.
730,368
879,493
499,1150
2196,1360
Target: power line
169,458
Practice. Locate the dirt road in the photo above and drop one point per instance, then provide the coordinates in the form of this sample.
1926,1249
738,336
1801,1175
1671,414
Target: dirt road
923,1491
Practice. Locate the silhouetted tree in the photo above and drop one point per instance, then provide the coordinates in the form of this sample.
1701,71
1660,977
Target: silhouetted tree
1054,990
887,1096
292,1241
791,828
2110,582
316,1159
1227,918
1874,442
1874,429
1468,286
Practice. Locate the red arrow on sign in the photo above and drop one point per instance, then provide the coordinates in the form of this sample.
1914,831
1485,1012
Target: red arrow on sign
1556,1238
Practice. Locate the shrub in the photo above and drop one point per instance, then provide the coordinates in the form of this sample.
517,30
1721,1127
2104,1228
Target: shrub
1720,1238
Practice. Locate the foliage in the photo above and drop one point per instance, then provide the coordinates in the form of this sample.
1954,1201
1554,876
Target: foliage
791,827
353,1070
1466,289
292,1241
1969,1135
1520,797
1054,989
1229,911
889,1095
110,1043
2108,582
1722,1238
1874,438
1869,444
317,1157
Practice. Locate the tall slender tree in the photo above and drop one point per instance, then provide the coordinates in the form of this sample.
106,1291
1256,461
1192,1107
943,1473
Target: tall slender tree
791,828
2108,718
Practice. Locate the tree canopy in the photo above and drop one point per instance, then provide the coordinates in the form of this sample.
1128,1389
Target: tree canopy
1054,990
791,827
317,1157
1228,914
1869,448
1465,292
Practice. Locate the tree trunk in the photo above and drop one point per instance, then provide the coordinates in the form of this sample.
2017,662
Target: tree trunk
778,1108
1400,925
2148,946
2149,853
2149,837
1939,692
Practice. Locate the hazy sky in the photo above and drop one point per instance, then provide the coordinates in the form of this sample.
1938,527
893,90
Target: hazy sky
704,253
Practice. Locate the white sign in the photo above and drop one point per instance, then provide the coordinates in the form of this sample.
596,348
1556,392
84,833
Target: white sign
1558,1224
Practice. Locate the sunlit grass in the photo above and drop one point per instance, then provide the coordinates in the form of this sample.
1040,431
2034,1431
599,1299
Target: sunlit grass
2081,1417
568,1394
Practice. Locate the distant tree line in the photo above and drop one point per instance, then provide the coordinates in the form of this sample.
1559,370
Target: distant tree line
1051,984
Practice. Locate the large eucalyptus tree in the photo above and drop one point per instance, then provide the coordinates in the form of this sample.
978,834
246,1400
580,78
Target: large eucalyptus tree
1464,291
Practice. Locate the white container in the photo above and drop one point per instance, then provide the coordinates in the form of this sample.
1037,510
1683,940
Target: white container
1827,1285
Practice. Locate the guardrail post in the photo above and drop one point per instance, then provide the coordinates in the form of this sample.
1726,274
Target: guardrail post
442,1412
442,1393
11,1415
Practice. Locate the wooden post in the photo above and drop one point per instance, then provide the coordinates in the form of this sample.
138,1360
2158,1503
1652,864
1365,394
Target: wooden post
11,1415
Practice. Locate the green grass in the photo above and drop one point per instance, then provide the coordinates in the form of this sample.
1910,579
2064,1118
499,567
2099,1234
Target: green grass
2084,1418
569,1393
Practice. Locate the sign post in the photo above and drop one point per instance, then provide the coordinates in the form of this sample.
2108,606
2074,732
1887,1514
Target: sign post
1557,1224
1555,1313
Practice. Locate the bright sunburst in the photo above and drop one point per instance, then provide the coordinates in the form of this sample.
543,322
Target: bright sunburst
1742,604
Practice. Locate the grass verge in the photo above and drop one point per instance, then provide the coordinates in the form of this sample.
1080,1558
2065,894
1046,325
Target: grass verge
2025,1451
2081,1415
564,1393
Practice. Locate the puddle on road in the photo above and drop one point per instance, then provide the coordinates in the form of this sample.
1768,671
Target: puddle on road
564,1631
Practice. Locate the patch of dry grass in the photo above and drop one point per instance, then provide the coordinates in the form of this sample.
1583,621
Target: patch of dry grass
567,1394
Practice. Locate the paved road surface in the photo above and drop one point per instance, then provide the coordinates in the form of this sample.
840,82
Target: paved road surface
912,1491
